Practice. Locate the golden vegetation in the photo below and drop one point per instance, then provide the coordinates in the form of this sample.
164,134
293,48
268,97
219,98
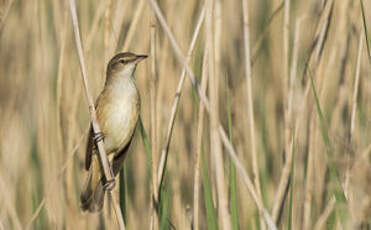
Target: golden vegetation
295,105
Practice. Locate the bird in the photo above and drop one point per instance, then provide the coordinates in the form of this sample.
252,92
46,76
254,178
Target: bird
117,111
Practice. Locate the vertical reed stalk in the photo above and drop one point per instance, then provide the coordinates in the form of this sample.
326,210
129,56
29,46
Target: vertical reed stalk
107,30
356,84
250,104
59,83
200,125
213,35
154,199
308,193
133,25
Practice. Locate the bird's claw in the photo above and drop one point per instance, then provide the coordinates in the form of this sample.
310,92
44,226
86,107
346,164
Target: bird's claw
109,185
98,137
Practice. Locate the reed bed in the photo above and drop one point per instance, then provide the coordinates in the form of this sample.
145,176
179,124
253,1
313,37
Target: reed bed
255,114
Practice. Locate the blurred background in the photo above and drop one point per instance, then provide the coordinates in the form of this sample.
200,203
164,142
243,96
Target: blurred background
306,148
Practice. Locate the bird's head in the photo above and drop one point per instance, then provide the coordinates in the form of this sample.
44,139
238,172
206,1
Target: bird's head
124,64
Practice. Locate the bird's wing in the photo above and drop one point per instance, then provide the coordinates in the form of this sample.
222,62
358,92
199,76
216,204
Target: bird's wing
89,148
120,157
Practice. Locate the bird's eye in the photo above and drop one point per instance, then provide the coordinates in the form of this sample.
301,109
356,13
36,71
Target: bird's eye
122,61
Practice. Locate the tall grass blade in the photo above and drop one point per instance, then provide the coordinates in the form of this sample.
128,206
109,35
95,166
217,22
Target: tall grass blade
37,190
147,147
212,222
122,194
331,221
143,133
164,207
232,175
334,176
291,187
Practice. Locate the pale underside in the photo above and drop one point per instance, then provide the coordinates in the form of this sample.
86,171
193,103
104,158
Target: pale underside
117,110
119,116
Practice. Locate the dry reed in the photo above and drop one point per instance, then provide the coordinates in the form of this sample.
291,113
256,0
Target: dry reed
288,79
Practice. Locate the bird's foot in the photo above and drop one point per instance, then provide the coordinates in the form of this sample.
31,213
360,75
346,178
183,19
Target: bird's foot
109,185
98,137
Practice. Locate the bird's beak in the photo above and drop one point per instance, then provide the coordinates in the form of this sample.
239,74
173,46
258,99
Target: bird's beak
140,58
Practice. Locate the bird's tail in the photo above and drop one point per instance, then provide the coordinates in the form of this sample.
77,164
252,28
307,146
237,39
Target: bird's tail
92,195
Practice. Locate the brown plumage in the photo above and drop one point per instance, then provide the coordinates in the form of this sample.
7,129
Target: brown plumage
117,109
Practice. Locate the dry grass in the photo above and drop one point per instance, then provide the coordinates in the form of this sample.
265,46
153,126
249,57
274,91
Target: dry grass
301,148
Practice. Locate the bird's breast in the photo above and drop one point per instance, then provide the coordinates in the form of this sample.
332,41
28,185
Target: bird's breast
119,116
